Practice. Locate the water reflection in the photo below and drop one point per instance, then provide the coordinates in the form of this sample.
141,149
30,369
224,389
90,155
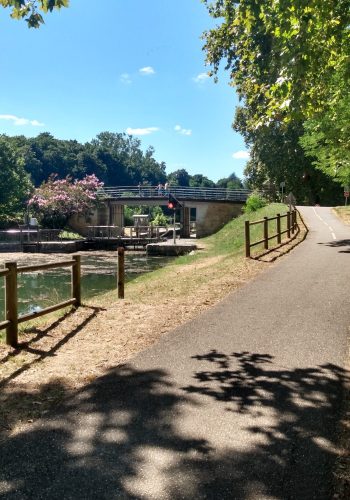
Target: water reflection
99,274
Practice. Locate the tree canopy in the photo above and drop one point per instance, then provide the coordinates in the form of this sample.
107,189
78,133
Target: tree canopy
281,55
289,62
14,182
115,158
29,9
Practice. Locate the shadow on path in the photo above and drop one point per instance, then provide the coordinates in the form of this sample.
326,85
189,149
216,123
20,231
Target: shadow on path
337,244
296,453
120,436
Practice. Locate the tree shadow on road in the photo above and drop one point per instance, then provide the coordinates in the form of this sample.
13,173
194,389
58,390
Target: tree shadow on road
337,244
99,440
121,436
297,451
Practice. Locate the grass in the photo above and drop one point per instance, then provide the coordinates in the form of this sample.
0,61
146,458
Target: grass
222,253
343,213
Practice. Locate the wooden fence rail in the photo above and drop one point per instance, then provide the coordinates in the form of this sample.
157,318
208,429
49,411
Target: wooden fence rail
292,226
11,300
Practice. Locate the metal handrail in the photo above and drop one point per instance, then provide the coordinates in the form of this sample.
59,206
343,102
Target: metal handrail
197,193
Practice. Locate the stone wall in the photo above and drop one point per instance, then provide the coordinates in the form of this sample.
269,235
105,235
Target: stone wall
210,217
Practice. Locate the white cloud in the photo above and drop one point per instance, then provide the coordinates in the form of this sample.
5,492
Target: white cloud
141,131
201,78
125,78
182,131
147,70
21,121
241,155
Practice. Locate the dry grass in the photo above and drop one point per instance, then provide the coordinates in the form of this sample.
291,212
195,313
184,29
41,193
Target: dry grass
343,213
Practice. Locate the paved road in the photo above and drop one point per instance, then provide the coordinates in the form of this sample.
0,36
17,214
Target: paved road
241,403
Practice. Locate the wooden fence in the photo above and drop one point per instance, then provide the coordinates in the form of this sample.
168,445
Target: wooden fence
292,226
10,274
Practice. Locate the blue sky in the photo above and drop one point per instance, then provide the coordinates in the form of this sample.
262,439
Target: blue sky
132,66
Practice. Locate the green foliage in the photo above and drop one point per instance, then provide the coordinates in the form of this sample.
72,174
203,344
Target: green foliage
199,180
327,136
281,55
159,218
230,182
289,62
179,178
28,9
254,203
70,235
14,182
116,159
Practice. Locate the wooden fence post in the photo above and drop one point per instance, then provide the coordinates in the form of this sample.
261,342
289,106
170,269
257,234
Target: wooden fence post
11,304
288,224
279,240
247,239
266,233
76,280
121,272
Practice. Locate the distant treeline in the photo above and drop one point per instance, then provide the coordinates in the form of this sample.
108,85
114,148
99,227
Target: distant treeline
115,158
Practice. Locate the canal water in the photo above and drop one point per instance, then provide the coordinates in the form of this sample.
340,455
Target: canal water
99,274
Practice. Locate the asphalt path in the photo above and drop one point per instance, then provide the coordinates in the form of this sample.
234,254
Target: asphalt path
240,403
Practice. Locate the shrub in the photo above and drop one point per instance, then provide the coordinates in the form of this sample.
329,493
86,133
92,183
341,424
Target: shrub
58,199
254,202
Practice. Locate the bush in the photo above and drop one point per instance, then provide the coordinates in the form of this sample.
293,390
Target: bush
254,202
160,220
56,200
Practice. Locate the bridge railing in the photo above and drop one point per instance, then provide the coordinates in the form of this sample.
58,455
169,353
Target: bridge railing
194,193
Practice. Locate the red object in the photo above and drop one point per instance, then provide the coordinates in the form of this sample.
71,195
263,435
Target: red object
346,194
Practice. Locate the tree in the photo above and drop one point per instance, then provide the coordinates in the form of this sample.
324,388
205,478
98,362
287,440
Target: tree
29,9
56,200
289,62
281,55
179,178
230,182
14,182
326,138
199,180
116,159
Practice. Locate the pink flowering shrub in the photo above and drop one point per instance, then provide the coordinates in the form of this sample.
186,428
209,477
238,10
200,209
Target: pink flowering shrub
56,200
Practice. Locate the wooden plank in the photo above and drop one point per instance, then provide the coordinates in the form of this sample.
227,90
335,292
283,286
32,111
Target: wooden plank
41,267
266,233
76,280
121,272
278,228
11,304
247,239
4,324
47,310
